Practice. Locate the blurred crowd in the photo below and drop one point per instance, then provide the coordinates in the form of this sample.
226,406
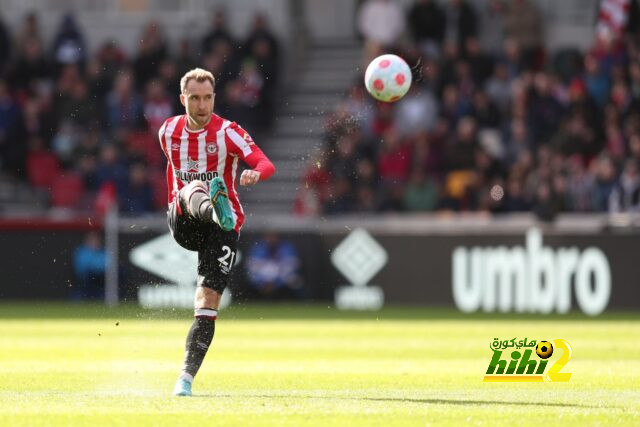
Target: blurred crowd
82,126
493,122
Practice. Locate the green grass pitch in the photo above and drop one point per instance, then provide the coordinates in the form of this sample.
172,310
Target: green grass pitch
306,366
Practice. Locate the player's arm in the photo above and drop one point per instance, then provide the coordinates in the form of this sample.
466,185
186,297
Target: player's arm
261,168
161,138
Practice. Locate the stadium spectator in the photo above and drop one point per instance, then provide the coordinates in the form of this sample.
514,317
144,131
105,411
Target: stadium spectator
30,29
462,148
421,193
480,64
12,152
341,197
394,159
136,196
273,269
605,181
184,60
112,169
418,112
123,104
428,151
31,66
108,62
65,142
152,50
625,196
598,83
461,22
262,50
5,47
515,200
87,153
89,264
224,62
392,198
157,106
68,44
217,33
544,109
426,22
233,104
523,24
381,22
314,192
74,103
492,27
252,82
579,186
484,111
261,34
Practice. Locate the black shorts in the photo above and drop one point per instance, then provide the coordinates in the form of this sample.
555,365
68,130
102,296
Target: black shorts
216,248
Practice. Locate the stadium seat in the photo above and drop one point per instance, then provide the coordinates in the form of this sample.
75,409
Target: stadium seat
67,190
42,168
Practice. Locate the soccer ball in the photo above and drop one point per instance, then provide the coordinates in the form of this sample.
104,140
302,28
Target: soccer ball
544,349
388,78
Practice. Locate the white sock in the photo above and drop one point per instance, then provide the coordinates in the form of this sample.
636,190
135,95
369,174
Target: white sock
186,376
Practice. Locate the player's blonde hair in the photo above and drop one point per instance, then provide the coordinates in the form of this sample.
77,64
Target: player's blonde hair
198,74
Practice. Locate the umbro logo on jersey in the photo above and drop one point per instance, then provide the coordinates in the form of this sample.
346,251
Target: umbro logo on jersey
175,147
212,148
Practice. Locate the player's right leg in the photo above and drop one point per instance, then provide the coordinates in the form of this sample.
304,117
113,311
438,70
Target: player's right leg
210,205
219,197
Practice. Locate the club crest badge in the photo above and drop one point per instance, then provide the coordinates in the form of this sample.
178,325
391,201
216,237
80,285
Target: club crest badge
212,148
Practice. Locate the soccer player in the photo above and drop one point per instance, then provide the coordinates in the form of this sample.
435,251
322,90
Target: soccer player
202,151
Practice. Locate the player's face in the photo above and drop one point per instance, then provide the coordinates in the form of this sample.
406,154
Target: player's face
198,100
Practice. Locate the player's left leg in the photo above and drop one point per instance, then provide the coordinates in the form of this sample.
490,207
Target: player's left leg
199,339
215,261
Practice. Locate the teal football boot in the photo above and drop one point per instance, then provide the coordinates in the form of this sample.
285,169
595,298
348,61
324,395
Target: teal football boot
182,388
221,204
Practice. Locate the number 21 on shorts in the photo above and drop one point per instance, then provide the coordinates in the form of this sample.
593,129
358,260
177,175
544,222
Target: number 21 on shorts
226,261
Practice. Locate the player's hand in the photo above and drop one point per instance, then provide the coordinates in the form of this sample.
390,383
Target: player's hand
249,177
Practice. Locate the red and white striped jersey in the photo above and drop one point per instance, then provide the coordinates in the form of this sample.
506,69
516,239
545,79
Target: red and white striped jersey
206,153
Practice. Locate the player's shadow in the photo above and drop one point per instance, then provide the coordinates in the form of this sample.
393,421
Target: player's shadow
410,400
472,402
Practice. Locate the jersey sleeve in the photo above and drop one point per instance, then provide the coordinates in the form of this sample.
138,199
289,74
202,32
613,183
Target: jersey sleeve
161,138
242,145
239,141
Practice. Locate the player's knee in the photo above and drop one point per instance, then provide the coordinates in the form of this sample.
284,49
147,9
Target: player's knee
192,187
206,298
197,184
